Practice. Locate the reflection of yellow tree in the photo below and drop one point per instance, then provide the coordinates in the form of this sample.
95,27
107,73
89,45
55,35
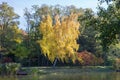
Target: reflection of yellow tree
59,39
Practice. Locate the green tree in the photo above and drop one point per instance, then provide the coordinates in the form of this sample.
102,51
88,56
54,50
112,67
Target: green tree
87,39
11,37
108,26
101,1
8,18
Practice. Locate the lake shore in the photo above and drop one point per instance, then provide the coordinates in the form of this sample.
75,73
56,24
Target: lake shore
67,69
67,73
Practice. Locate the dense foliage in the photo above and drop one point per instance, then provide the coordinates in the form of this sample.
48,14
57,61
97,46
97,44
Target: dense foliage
49,36
9,68
88,59
59,39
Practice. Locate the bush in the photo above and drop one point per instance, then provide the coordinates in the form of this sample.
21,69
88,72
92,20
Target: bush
89,59
116,65
7,60
9,68
110,61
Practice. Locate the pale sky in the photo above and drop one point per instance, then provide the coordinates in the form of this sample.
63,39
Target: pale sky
19,5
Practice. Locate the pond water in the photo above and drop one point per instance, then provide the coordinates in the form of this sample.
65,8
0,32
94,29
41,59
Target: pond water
68,76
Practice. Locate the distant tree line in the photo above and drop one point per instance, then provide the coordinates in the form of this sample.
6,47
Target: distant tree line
40,44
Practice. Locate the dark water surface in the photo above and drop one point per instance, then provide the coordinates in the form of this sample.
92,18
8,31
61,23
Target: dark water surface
68,76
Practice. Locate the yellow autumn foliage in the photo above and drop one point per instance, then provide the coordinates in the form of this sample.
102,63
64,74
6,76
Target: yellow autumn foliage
16,34
59,39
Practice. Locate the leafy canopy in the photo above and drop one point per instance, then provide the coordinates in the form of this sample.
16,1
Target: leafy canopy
59,39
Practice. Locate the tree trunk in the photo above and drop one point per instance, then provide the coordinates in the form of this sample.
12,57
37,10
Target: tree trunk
55,61
105,50
105,58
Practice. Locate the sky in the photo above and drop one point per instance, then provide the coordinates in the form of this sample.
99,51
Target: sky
20,5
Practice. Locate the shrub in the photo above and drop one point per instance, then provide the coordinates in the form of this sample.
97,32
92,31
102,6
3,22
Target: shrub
89,59
116,65
9,68
1,68
7,60
110,61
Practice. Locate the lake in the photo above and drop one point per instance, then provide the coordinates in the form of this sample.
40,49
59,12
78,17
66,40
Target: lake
68,76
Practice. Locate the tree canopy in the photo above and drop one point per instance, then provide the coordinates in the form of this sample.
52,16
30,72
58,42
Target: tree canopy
59,39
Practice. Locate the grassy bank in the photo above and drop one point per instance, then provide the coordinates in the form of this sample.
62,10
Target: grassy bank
67,70
67,73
